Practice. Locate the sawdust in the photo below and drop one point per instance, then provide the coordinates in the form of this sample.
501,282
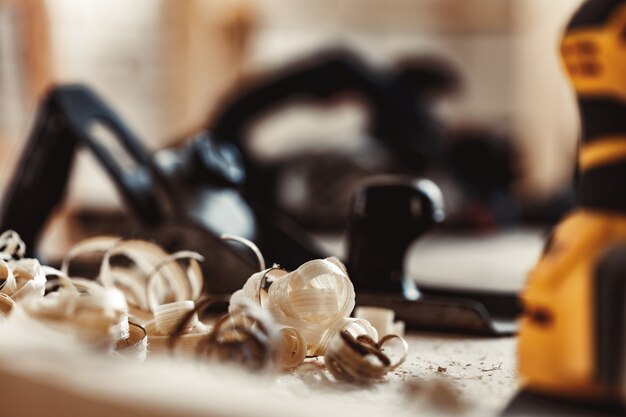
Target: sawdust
481,371
497,368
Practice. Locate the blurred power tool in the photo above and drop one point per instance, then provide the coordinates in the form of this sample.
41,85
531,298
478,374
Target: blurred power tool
188,197
69,118
572,344
404,134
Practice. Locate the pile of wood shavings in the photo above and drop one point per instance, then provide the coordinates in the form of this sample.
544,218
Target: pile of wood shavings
122,311
160,288
22,277
95,315
312,306
152,302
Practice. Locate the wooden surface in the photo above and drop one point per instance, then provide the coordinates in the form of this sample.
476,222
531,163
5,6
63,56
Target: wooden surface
482,371
46,376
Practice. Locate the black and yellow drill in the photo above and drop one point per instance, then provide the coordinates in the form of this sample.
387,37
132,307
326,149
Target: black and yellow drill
573,330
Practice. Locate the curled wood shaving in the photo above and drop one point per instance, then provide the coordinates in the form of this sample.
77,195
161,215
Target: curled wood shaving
21,277
314,299
354,326
250,245
382,319
95,315
177,320
293,348
312,306
189,331
155,277
192,276
167,316
6,305
136,345
99,245
11,245
246,335
157,287
362,360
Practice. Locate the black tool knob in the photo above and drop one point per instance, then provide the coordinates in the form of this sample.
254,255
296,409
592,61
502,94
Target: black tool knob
217,161
205,160
388,214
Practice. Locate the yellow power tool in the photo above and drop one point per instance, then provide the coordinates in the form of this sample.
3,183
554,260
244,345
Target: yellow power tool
572,342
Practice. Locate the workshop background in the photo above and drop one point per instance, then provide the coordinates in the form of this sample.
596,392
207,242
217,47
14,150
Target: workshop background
165,65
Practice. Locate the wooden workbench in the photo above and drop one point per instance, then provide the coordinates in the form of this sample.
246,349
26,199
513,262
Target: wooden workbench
41,376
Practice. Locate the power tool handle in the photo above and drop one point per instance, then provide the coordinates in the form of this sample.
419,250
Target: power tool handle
387,215
40,179
64,121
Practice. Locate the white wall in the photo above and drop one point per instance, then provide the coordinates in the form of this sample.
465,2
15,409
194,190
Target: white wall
546,117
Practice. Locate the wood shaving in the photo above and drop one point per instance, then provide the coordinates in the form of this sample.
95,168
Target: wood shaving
382,319
315,300
154,287
22,278
249,245
96,315
6,305
160,291
360,359
495,368
312,304
293,348
247,336
11,245
136,345
275,321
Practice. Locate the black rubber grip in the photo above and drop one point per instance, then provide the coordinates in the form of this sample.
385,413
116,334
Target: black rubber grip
609,295
602,118
604,188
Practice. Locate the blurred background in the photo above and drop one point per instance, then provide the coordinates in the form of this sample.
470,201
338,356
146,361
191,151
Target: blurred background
167,66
